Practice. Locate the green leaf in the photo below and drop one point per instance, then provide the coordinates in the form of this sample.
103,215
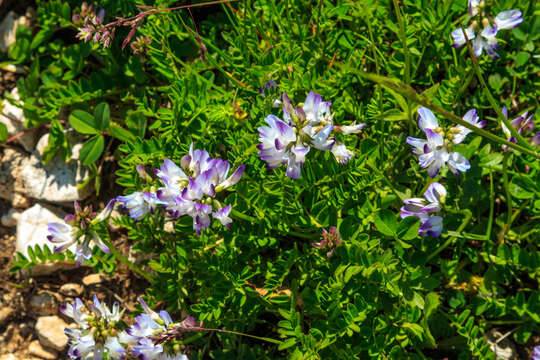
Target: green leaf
518,190
136,123
83,122
287,344
66,12
385,221
41,36
120,133
522,58
102,115
408,228
431,303
3,133
92,149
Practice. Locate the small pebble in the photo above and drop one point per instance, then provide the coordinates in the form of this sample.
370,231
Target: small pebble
5,314
71,289
36,349
92,279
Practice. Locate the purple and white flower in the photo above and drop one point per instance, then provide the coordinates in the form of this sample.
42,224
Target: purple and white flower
106,212
459,37
458,133
485,38
276,143
523,124
139,204
422,208
536,353
436,152
433,226
223,216
190,188
289,140
147,331
94,339
65,236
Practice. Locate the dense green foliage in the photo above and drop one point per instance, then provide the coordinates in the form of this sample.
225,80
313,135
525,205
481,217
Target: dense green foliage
386,292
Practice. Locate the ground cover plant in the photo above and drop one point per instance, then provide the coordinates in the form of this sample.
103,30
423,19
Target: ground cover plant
308,179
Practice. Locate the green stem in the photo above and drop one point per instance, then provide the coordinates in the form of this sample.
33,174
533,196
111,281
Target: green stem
468,216
407,60
191,339
490,96
408,92
118,255
507,192
491,206
270,340
404,41
506,322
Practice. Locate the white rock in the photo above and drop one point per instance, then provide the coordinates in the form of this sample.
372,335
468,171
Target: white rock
71,289
32,230
92,279
13,68
20,201
50,331
9,219
13,117
36,349
72,137
8,29
57,181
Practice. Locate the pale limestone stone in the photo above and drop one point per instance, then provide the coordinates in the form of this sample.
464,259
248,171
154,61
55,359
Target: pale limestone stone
8,28
13,117
50,331
92,279
36,349
71,289
56,182
32,230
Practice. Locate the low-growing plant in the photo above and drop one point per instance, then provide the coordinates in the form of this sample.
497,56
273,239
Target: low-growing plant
363,244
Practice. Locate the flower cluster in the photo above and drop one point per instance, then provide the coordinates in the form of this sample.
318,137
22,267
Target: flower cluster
140,45
485,38
311,125
434,197
79,229
97,332
436,151
101,334
91,27
189,189
330,240
524,125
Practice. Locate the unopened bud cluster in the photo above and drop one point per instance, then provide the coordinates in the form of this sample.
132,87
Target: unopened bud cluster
91,27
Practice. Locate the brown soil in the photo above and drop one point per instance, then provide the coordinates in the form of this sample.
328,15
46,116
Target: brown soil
8,81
